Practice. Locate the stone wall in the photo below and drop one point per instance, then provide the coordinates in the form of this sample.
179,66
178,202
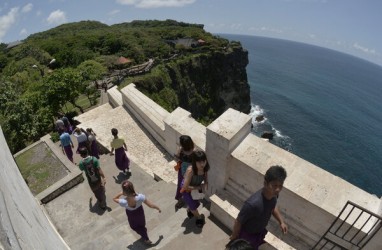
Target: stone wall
311,199
23,223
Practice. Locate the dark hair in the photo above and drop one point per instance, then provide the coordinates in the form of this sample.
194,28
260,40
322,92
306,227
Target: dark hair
186,143
83,151
114,131
238,244
128,188
199,155
275,173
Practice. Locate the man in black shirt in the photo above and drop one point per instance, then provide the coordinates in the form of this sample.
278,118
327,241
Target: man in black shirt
257,210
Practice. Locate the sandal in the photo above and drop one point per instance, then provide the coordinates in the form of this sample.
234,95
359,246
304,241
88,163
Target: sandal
200,222
179,204
148,242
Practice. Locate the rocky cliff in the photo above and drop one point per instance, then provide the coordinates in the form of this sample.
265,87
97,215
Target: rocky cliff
205,82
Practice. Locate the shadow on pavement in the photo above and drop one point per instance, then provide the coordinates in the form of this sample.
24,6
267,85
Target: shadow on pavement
139,244
96,209
120,178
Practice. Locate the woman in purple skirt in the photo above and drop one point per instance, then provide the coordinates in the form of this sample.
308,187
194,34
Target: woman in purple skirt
121,159
195,179
132,202
93,146
82,139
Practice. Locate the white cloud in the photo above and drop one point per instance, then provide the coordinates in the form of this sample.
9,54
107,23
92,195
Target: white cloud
27,8
57,17
236,26
271,30
113,12
23,32
312,36
7,21
155,3
364,49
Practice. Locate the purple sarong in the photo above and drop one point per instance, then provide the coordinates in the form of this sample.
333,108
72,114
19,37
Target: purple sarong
94,149
191,203
137,221
178,195
255,239
81,145
187,198
121,159
69,152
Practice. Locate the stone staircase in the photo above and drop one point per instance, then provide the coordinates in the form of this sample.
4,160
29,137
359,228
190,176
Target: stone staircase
110,230
142,147
167,230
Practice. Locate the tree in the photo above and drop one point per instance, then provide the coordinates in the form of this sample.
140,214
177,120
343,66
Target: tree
62,86
91,71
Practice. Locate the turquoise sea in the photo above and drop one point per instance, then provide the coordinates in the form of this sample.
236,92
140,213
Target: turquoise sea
322,105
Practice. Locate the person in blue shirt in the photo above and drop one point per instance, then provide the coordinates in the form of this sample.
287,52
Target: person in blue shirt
66,144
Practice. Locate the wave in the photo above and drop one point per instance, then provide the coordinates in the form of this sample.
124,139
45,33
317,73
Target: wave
259,127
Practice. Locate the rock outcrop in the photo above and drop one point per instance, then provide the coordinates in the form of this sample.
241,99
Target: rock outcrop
208,82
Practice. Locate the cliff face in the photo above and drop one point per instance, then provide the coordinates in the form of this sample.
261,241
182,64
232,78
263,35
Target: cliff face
220,76
207,83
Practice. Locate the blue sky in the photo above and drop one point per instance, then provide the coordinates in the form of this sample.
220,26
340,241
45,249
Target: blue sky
350,26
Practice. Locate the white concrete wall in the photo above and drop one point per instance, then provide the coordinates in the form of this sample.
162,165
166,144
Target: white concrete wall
114,96
23,225
312,197
148,113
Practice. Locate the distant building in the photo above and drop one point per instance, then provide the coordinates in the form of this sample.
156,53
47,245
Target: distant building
123,60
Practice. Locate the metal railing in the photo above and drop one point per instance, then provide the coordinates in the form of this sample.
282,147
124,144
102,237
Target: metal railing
353,228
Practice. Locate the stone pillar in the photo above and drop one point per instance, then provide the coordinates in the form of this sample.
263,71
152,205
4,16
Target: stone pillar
222,137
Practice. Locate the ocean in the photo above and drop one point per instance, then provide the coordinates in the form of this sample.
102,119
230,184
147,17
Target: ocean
322,105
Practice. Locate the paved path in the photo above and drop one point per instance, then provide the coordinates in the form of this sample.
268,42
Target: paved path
84,226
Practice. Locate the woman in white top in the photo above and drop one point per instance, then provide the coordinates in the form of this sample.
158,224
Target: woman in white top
82,139
132,202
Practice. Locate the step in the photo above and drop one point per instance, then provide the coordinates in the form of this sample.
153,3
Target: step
110,239
227,213
180,232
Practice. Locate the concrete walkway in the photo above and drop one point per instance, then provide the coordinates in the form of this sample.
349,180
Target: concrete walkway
84,226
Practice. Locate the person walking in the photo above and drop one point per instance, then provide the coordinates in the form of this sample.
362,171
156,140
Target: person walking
94,175
254,216
93,146
132,202
68,126
195,180
82,139
119,146
66,144
184,160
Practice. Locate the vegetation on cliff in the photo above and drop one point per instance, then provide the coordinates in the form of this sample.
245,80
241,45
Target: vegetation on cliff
205,75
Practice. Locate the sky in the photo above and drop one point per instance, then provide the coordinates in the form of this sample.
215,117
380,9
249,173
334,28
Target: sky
350,26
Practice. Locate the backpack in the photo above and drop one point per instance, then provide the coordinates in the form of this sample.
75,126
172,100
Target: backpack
91,171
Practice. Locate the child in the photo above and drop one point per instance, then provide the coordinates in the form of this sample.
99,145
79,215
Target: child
132,202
